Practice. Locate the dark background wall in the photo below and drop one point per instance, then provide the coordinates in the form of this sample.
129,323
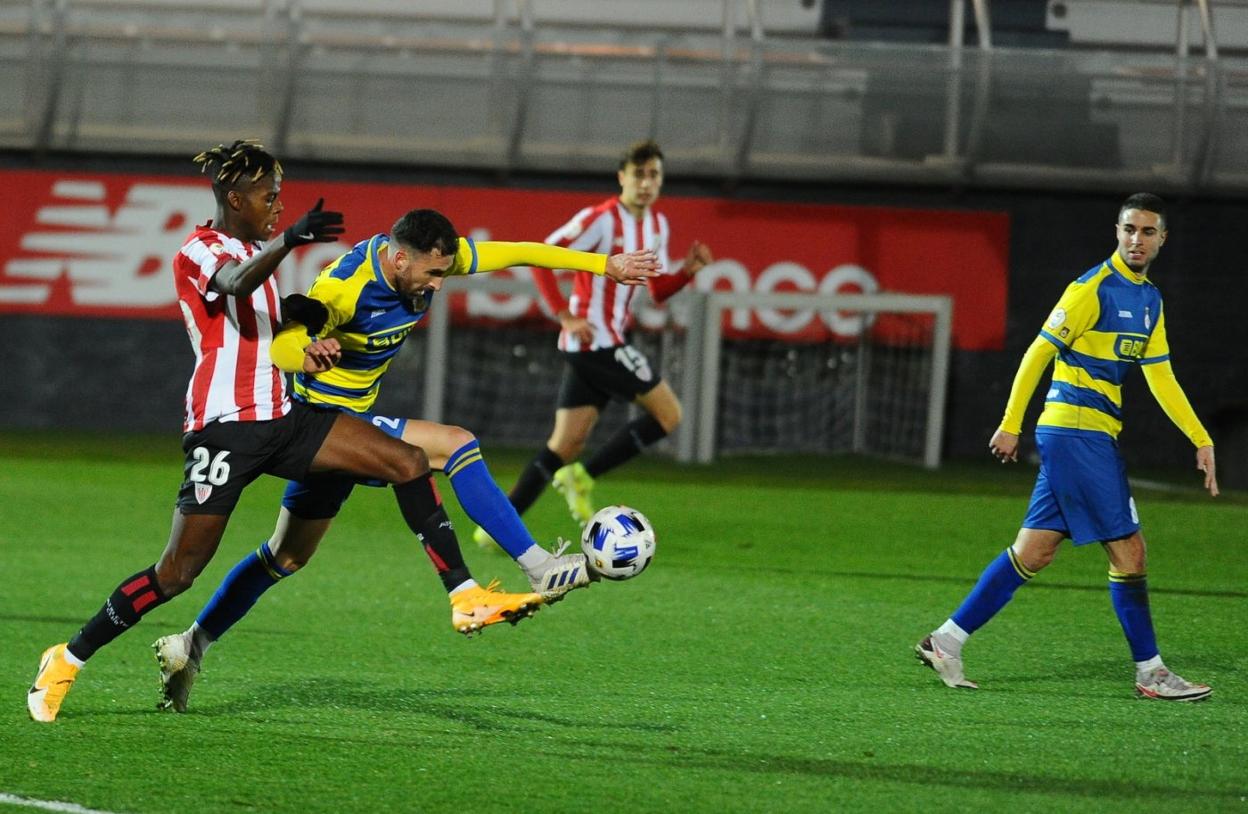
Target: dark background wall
131,375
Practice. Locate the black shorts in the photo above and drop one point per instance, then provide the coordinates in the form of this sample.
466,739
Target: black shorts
226,456
591,378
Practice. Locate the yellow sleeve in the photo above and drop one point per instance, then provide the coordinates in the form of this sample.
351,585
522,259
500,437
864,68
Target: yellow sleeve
287,348
1035,360
1075,312
1158,347
339,299
491,255
1173,401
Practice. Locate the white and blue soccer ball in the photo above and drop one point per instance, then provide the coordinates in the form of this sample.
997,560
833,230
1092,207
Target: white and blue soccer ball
618,542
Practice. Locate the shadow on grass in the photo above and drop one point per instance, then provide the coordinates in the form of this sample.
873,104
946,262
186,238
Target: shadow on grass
481,709
680,757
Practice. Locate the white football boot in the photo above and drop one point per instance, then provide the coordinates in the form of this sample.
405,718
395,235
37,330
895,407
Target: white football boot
946,665
560,573
178,669
1163,685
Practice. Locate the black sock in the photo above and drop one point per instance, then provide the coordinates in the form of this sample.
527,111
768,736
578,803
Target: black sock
625,445
134,597
422,508
535,477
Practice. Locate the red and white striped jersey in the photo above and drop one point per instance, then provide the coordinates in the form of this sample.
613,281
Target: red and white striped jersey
234,380
607,228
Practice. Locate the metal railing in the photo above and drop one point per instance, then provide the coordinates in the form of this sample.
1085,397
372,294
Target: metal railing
497,86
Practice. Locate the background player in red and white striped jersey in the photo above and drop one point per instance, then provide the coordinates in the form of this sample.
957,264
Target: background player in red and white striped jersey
599,362
240,423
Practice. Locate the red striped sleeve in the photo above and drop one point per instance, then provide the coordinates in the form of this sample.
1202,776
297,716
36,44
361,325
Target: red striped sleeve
665,285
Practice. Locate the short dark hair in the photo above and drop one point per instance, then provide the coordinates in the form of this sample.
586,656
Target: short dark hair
639,152
424,230
239,164
1146,201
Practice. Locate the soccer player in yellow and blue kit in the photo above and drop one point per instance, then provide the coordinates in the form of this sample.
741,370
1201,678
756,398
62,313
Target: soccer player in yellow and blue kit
371,298
1107,321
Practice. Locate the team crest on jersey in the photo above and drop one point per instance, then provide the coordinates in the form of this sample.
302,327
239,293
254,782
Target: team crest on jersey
1057,317
202,492
1148,322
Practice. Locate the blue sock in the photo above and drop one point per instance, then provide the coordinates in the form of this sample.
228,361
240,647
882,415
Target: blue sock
1129,593
995,588
254,574
484,502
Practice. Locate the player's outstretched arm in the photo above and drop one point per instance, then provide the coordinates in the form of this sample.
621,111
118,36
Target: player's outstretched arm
631,268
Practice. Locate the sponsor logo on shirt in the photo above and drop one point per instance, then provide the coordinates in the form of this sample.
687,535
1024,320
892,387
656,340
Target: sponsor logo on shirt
1130,347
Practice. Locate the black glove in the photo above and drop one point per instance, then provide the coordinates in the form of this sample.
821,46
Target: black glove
314,227
310,312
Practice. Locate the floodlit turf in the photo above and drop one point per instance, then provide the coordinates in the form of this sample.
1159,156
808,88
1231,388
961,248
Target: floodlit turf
763,663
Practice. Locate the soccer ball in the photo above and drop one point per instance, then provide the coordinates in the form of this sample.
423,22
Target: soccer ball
618,542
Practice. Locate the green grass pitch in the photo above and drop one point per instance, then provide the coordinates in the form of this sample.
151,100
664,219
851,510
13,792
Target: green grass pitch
763,663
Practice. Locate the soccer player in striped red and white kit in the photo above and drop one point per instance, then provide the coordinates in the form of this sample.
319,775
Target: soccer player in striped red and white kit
600,364
239,421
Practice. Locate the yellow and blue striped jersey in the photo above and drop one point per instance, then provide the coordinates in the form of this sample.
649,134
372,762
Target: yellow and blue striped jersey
1107,321
370,319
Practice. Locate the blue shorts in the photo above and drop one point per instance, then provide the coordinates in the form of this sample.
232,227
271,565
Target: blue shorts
1082,489
319,497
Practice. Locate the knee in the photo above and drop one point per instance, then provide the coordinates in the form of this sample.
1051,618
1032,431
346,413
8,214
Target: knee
292,562
1034,557
670,419
289,557
173,579
1135,565
458,437
568,449
409,463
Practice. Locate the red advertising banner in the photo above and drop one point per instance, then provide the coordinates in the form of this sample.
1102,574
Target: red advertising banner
99,244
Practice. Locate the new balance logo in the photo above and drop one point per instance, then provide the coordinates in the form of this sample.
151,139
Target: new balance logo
1125,314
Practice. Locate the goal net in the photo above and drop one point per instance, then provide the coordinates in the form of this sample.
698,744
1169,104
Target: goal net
869,377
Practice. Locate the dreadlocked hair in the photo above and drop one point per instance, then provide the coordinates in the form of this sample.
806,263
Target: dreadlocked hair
245,160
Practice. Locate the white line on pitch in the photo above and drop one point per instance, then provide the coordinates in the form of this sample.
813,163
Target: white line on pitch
49,805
